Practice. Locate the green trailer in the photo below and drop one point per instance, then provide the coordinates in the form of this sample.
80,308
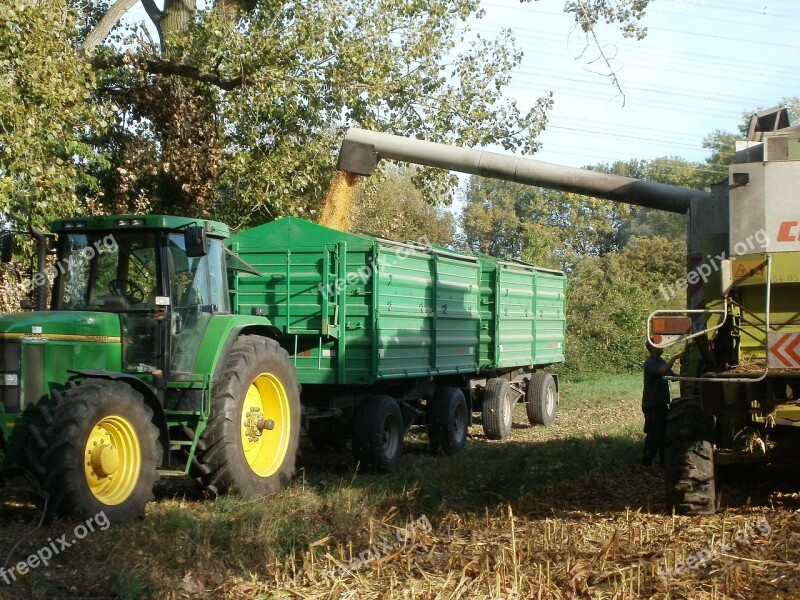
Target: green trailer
384,335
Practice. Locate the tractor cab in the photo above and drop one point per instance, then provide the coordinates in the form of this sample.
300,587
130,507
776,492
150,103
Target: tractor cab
164,278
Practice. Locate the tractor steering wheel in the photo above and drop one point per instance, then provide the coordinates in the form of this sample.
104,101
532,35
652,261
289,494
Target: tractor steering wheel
125,287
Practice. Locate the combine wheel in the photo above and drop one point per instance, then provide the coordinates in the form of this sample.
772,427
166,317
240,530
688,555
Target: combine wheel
498,409
689,457
541,399
448,421
98,451
250,444
378,433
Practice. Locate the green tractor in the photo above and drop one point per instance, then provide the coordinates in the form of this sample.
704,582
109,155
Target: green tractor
138,365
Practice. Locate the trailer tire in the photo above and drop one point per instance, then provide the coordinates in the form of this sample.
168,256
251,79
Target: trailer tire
378,433
97,452
498,409
541,399
250,444
689,459
448,421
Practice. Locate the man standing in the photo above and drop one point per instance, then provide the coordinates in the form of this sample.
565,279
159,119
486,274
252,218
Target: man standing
655,402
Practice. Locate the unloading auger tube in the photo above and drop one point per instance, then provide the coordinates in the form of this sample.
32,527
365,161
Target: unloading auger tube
362,149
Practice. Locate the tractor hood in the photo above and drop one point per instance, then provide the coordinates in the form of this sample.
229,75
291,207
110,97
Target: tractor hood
61,325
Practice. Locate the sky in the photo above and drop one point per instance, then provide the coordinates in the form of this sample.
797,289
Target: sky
701,65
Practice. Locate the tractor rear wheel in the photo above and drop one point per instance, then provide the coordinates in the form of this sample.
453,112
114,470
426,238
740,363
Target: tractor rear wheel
378,433
448,421
98,451
689,459
498,409
250,444
541,399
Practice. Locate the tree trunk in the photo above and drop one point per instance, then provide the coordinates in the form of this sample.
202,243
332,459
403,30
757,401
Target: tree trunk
178,15
106,24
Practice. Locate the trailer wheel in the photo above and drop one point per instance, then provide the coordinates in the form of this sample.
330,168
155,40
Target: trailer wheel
378,433
498,406
250,444
448,421
98,451
689,459
541,399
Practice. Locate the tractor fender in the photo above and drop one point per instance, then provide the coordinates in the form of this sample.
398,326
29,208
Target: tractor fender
267,331
151,400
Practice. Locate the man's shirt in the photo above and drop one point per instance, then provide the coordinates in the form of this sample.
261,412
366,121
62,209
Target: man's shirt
656,388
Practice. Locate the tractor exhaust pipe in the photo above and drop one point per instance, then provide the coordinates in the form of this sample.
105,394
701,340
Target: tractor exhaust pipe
41,265
362,149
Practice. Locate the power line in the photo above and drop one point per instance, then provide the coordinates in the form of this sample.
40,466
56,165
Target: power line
630,48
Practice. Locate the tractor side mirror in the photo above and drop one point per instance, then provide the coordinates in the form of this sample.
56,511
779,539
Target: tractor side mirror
6,247
195,241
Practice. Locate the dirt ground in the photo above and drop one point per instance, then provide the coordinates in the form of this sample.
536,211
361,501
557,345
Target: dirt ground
559,512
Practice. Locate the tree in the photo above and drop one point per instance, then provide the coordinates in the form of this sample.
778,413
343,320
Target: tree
672,170
235,107
238,113
43,112
390,206
547,227
610,297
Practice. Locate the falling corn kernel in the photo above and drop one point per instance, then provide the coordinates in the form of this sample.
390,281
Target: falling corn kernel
338,202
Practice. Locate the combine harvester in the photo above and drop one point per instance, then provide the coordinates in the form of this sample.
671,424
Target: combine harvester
742,322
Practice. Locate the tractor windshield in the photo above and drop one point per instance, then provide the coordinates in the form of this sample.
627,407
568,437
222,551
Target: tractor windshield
108,272
115,273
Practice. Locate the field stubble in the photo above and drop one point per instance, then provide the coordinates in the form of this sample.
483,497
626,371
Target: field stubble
559,512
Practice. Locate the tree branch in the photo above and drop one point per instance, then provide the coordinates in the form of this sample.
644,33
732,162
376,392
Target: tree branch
192,72
106,24
158,67
155,16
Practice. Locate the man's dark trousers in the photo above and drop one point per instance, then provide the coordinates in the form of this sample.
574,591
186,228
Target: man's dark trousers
655,424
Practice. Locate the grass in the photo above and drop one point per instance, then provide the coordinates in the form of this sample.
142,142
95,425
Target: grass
557,512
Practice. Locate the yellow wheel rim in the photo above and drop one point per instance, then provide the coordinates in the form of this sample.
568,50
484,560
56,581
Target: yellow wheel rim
112,460
266,425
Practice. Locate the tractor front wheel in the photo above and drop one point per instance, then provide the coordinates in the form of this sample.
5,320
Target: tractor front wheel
250,444
98,451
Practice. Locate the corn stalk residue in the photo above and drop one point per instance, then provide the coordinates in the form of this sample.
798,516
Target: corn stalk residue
338,202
